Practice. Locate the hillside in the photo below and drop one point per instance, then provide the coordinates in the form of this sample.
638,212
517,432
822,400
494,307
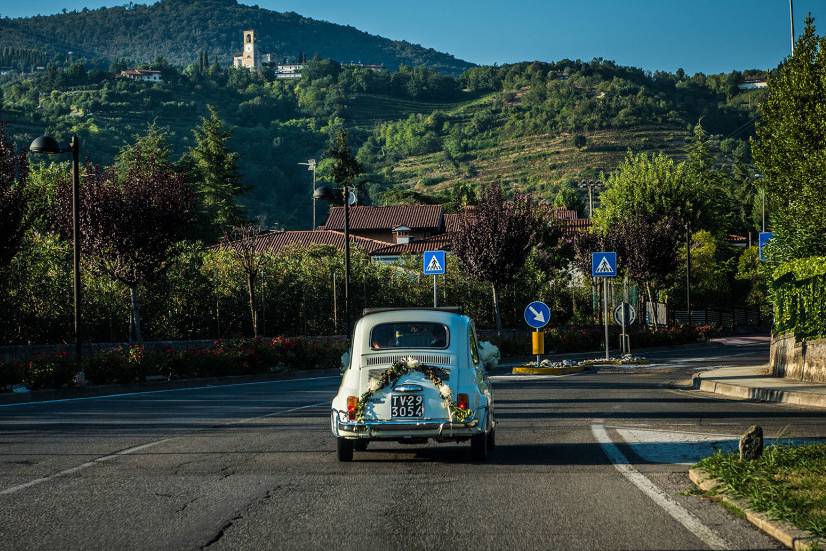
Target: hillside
178,30
418,133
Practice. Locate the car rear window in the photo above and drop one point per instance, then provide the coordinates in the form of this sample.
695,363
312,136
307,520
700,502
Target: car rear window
407,334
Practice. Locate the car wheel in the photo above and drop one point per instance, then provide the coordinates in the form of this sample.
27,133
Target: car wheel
479,447
360,445
344,449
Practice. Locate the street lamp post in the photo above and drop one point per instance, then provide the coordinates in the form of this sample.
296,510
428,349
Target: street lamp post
311,165
49,146
688,270
333,195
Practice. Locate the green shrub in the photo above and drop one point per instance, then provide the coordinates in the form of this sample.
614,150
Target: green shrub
799,296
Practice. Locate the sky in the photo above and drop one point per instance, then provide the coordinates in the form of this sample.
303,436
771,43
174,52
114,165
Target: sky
711,36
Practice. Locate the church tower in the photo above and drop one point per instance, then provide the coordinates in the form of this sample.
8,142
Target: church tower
248,59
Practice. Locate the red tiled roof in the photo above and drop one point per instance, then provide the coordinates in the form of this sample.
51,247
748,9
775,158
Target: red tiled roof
278,241
441,242
452,222
570,226
415,217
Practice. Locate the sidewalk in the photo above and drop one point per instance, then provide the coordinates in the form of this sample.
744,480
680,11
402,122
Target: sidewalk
755,383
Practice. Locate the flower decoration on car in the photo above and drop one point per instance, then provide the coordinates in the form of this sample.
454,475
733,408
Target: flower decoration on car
407,365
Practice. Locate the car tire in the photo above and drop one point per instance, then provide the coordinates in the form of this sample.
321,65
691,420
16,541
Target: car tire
479,447
360,445
344,449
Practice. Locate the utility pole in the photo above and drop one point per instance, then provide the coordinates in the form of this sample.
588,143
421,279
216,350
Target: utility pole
791,20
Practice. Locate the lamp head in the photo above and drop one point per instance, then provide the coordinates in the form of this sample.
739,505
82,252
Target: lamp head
46,145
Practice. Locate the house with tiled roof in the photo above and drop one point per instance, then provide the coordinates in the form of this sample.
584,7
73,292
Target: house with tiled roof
278,241
391,224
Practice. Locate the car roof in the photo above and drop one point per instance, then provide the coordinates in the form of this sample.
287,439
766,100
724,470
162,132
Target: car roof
440,315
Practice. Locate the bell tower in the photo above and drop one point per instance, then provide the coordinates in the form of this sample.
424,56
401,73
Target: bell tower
249,58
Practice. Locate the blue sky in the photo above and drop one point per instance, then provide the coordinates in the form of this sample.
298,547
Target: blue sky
698,35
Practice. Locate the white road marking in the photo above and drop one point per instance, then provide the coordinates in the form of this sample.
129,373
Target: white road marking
92,463
36,481
127,394
522,378
666,502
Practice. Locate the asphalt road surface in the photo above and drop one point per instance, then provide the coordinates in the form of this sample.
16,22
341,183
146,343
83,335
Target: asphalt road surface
590,461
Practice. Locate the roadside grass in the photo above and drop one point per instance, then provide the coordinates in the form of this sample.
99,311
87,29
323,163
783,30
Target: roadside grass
788,483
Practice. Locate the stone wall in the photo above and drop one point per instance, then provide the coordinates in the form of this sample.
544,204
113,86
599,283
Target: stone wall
804,361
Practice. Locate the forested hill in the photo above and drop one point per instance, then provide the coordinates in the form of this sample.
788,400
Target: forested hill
178,30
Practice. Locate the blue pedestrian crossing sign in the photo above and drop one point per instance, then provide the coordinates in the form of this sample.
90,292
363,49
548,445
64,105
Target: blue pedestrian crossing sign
604,264
763,240
434,263
537,314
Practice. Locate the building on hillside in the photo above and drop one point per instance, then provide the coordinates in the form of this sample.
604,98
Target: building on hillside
144,75
249,58
753,84
371,66
289,70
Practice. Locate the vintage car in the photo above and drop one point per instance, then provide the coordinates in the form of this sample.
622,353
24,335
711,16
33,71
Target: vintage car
414,374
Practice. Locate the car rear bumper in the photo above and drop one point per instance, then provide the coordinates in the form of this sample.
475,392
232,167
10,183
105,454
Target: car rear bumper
395,429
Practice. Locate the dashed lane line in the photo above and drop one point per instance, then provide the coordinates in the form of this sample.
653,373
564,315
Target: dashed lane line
92,463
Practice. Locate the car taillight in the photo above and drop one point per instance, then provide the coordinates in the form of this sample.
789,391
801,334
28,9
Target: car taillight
461,401
352,402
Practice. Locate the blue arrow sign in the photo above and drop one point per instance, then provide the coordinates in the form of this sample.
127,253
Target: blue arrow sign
537,314
604,264
434,263
763,240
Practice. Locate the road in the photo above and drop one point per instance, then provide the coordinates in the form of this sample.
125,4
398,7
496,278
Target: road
591,461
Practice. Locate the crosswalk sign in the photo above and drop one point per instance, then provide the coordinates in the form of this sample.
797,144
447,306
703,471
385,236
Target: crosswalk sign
604,264
434,263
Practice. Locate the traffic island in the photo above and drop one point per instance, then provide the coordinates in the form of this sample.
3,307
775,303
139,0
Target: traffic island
783,493
531,369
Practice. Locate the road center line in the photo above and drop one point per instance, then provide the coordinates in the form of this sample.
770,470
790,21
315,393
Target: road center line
92,463
666,502
127,394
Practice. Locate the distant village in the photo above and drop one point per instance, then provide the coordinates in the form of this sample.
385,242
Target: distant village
252,59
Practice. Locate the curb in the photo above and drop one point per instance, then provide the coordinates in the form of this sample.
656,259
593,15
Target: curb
760,394
790,536
546,370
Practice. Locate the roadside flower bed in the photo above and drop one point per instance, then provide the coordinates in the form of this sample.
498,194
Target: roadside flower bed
133,364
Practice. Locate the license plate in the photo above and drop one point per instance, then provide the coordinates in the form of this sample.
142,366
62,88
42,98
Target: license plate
406,405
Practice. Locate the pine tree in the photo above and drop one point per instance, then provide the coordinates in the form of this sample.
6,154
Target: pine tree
217,179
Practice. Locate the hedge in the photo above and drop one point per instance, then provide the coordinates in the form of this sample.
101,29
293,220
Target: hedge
799,296
133,364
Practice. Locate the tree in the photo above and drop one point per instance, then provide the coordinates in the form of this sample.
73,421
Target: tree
242,241
648,185
345,167
647,248
130,222
217,179
13,173
790,149
494,239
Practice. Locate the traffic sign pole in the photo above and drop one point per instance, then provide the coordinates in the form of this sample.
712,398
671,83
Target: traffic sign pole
605,289
435,294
